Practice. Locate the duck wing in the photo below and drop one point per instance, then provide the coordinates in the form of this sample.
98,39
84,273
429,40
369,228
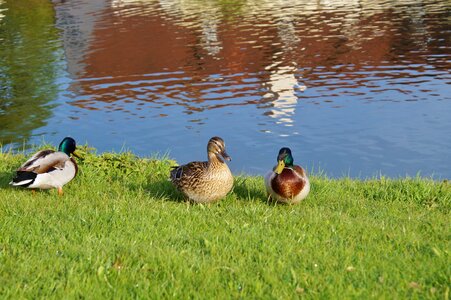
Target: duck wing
192,169
44,161
300,171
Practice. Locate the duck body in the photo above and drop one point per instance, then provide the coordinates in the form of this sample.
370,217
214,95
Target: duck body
208,181
48,169
203,182
291,186
286,182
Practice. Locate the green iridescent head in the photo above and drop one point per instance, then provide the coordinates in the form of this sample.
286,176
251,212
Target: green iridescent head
284,159
67,146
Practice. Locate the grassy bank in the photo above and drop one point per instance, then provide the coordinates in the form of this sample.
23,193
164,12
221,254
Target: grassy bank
121,230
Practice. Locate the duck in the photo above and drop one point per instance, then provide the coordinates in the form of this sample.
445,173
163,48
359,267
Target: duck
49,169
206,181
286,182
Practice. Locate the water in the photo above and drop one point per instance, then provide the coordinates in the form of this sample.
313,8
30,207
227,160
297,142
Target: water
356,88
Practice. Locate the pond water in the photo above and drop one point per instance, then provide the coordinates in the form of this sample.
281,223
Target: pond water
355,88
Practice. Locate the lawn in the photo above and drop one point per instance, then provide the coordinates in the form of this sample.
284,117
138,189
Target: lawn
121,231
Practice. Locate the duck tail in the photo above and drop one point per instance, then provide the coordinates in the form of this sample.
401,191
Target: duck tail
23,178
176,172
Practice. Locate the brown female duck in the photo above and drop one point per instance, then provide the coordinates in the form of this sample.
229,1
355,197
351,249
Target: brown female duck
208,181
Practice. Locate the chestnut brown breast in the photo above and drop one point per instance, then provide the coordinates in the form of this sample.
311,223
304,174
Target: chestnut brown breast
287,184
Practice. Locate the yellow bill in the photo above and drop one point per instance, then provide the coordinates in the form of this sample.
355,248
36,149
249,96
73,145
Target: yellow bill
280,167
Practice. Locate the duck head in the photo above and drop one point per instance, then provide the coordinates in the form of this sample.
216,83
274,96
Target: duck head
68,146
284,159
216,147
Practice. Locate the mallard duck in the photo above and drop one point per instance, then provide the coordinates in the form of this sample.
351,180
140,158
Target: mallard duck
286,182
48,169
206,181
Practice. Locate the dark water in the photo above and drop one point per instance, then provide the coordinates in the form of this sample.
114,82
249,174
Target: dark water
355,88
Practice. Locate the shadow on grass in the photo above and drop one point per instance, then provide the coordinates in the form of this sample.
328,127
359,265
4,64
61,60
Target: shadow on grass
163,189
9,171
5,179
246,189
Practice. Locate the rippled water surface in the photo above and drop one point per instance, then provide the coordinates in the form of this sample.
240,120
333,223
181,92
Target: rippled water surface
355,88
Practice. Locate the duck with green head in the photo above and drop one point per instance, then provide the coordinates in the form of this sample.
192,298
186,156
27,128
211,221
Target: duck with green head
48,169
286,182
206,181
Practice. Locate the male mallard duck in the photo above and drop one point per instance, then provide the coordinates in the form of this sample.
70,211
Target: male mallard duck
287,183
206,181
48,169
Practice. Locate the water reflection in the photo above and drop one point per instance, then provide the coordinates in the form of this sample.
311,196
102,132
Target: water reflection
281,88
2,10
158,54
28,51
330,78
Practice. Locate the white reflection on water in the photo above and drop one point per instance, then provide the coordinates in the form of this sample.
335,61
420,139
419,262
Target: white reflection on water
283,85
1,11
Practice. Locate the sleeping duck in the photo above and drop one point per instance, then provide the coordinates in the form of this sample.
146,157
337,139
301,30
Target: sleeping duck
48,169
286,182
206,181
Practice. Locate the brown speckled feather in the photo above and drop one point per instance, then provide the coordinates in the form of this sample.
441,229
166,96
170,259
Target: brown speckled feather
287,184
208,181
187,175
203,182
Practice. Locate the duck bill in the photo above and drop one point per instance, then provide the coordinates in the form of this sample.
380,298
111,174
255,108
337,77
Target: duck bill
280,167
76,154
226,156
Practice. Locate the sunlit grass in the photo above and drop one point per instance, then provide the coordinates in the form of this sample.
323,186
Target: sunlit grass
121,231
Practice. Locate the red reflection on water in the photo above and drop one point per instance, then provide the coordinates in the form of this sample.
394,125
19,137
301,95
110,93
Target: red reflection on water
200,58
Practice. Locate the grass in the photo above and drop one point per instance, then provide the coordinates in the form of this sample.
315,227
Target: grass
121,231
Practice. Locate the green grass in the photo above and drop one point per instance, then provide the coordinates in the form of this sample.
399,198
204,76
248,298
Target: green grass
121,231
